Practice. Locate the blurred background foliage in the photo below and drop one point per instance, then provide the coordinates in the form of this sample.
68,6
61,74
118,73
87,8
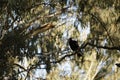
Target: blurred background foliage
35,33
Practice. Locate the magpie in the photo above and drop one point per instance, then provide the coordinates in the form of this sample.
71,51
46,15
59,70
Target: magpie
74,46
117,64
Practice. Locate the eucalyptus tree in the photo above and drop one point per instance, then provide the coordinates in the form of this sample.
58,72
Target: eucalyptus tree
38,30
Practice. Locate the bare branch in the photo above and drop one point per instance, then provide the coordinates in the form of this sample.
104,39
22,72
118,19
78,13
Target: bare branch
103,25
90,44
105,47
99,46
68,55
20,66
40,29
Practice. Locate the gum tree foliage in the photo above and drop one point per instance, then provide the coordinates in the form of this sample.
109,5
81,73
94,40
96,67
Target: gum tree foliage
26,25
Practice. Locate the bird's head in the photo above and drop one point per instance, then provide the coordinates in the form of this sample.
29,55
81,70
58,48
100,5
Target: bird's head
70,39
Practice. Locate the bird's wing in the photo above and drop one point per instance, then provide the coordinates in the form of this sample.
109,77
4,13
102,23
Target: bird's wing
76,43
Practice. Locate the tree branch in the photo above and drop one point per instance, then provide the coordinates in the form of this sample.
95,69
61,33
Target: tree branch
99,46
40,17
68,55
105,47
103,25
20,66
40,30
90,44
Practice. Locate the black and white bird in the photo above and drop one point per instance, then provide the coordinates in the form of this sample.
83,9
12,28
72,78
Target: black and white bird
74,46
117,64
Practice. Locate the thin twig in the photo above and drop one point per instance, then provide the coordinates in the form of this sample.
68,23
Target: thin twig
103,25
